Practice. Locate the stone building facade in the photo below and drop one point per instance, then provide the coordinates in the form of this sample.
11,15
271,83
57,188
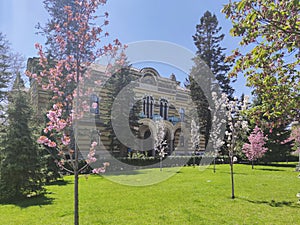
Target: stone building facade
159,98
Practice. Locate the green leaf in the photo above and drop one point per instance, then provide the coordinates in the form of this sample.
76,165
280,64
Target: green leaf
241,5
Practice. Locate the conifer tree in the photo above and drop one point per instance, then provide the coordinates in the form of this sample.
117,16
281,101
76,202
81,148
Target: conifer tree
20,173
207,40
122,80
5,73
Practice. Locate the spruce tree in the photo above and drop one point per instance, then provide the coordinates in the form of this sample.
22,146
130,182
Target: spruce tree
120,79
207,40
5,73
20,173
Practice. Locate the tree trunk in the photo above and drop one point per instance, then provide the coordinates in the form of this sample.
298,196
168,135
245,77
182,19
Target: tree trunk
76,200
214,165
76,164
252,164
160,163
232,180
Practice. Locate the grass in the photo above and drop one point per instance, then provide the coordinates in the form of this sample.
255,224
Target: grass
265,195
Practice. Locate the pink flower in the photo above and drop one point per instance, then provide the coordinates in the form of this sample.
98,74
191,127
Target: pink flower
52,144
101,169
43,140
94,144
61,124
95,105
65,140
256,148
98,170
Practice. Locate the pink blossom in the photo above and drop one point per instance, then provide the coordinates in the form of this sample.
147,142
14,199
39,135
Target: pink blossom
65,140
98,170
101,169
91,157
52,144
95,105
61,124
43,140
255,149
94,144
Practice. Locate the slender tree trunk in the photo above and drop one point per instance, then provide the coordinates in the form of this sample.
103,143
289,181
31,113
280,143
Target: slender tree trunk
214,165
232,180
160,163
76,164
252,164
76,200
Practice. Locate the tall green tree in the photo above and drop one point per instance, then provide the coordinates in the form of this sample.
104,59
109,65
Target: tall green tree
20,166
207,39
122,80
268,55
208,42
5,72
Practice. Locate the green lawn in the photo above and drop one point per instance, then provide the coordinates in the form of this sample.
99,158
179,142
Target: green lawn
265,195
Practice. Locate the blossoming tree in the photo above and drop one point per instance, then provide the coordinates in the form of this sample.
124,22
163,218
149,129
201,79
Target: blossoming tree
255,149
268,55
236,126
72,39
218,123
160,143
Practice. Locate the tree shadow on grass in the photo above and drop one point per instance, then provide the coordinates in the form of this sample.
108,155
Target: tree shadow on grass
235,173
121,173
274,203
268,169
39,200
59,183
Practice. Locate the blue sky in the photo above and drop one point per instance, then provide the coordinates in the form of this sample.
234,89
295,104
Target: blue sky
130,21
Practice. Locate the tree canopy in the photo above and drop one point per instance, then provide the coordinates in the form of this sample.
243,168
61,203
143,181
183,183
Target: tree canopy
207,40
269,55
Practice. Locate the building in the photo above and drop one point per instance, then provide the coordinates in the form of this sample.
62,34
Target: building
158,97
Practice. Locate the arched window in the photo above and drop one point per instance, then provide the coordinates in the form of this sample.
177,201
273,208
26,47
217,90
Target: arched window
94,104
163,109
148,106
181,112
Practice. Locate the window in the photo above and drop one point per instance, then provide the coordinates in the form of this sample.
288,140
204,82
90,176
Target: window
94,104
148,106
181,140
181,112
163,109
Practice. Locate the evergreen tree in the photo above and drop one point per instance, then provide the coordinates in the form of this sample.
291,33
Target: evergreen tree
5,73
207,40
20,173
201,113
278,151
119,81
51,170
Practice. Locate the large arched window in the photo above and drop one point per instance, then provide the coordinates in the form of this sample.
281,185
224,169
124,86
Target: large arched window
94,104
163,109
148,106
